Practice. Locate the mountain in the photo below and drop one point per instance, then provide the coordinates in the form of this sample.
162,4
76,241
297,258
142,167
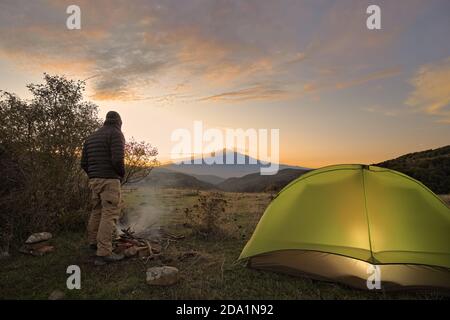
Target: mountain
224,170
431,167
255,182
164,178
209,178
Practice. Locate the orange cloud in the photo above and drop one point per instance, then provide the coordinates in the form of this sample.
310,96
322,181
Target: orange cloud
49,63
432,90
194,48
115,95
310,87
260,92
148,47
226,72
370,77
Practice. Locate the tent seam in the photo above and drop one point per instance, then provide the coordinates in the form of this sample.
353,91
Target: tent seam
367,214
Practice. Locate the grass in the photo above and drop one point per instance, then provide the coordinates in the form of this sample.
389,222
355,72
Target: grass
212,274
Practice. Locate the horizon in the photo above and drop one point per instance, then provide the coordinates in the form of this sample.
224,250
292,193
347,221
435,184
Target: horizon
206,155
337,92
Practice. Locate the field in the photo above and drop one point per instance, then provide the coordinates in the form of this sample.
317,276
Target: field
208,267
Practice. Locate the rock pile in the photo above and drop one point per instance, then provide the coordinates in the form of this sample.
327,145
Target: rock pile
38,244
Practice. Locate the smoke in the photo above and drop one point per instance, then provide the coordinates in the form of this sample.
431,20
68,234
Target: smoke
143,217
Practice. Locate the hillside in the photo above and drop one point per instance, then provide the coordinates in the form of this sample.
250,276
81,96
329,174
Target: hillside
209,178
164,178
259,183
431,167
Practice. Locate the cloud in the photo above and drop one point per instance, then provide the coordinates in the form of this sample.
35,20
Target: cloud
342,35
298,58
147,48
122,82
331,79
386,73
431,92
259,92
311,87
138,50
380,110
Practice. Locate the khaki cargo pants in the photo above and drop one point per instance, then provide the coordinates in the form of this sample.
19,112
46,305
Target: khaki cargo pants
105,213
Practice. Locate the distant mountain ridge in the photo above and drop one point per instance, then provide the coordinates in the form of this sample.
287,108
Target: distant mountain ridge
255,182
258,183
164,178
209,178
224,170
431,167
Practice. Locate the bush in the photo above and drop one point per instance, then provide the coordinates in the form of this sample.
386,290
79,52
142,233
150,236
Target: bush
42,139
207,218
140,159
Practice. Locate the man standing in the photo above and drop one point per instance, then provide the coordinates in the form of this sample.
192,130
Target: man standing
103,161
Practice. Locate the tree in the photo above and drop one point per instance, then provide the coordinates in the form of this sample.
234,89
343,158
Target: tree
12,184
54,123
140,159
43,138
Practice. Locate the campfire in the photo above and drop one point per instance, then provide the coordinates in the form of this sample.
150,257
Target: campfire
145,245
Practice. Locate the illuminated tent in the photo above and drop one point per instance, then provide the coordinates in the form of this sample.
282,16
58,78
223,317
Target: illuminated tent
338,222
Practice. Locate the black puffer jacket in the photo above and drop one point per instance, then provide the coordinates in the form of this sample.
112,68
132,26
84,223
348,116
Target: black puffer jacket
103,152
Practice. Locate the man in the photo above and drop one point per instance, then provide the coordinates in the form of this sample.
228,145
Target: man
103,161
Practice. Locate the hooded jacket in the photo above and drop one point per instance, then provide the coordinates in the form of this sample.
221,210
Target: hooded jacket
104,150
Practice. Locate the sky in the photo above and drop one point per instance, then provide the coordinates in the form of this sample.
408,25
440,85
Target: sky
337,91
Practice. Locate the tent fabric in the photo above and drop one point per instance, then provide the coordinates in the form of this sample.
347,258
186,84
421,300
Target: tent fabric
349,271
367,213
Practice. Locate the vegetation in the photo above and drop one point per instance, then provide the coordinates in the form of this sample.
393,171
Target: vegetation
40,145
431,167
207,217
140,160
208,267
42,138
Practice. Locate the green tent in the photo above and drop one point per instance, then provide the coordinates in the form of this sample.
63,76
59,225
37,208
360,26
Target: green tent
349,223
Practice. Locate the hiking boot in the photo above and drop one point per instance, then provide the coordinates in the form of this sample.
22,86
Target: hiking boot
113,257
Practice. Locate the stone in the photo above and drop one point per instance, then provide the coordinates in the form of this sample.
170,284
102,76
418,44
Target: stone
38,237
39,251
36,246
56,295
162,276
43,250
